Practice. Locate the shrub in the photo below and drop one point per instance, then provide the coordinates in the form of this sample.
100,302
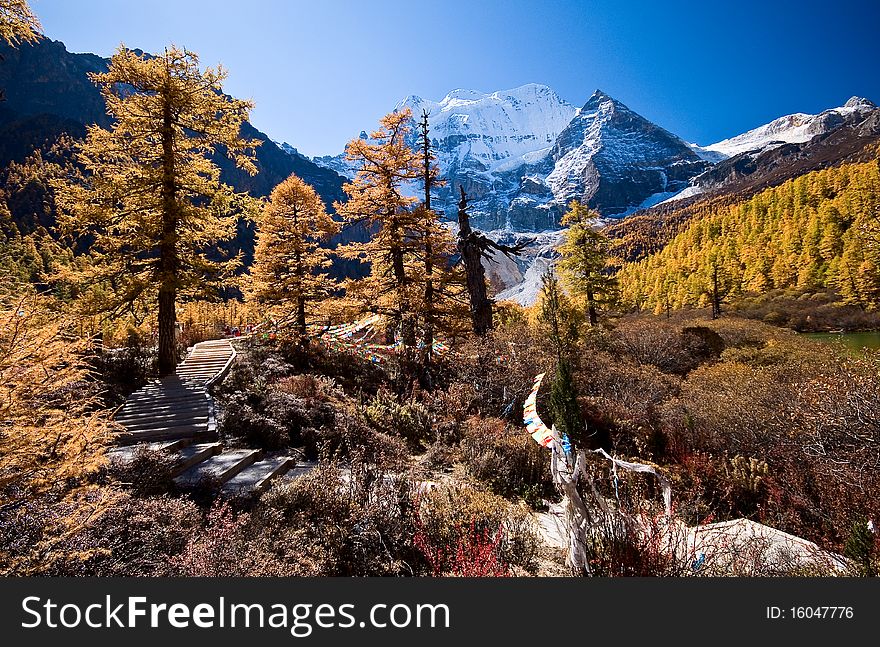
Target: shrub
136,537
244,416
451,519
349,438
353,527
667,346
148,473
225,546
410,421
510,463
125,369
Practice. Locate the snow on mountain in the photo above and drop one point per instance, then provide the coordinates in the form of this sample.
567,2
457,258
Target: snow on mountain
790,129
616,160
494,132
522,154
737,156
539,255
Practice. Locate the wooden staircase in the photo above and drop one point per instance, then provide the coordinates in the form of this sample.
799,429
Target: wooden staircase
176,414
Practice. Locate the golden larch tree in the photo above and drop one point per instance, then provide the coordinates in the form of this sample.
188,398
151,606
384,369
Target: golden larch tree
53,432
18,24
289,262
152,204
377,198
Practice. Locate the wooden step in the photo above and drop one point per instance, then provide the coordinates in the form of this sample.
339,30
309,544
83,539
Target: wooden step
155,398
256,477
162,410
301,468
190,432
219,468
172,420
126,453
194,454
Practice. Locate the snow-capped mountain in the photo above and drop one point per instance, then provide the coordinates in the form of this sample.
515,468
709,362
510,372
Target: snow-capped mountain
614,159
790,129
763,149
522,154
492,145
493,133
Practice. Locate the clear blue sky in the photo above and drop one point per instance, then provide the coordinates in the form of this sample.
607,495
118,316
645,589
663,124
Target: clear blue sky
322,70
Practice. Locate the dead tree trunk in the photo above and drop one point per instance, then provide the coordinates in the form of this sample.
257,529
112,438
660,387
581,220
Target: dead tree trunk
472,257
473,247
716,294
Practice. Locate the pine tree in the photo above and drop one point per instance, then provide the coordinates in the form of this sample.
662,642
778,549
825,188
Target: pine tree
556,313
564,405
287,273
859,547
152,203
583,262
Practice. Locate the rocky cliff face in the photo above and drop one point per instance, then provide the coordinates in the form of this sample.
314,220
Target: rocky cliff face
614,159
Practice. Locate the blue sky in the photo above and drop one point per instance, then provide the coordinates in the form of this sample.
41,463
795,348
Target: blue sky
322,70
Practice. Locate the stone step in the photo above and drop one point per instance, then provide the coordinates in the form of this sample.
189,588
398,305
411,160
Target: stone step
219,468
194,454
256,477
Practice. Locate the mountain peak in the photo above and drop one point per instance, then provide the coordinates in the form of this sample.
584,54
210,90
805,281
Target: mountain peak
598,98
859,102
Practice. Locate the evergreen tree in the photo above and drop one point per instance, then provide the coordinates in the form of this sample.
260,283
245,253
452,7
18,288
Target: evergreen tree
564,405
556,313
288,257
859,547
584,260
152,203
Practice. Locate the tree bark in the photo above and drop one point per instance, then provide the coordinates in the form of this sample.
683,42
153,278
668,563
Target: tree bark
472,251
591,308
168,257
716,295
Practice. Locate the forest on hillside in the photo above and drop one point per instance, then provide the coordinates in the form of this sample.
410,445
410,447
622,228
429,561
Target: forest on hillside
815,233
636,421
